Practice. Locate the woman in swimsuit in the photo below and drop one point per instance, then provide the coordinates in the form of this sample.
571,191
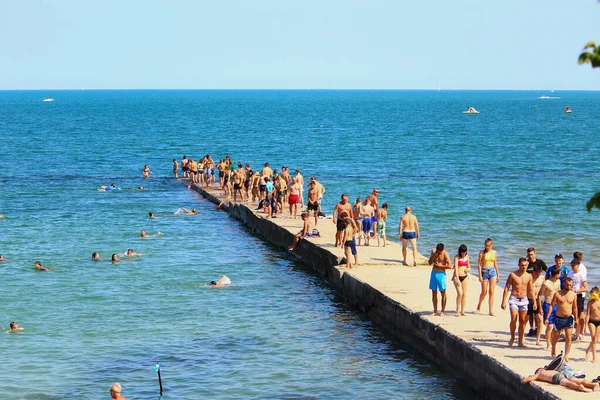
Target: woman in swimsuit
488,274
357,211
593,321
462,265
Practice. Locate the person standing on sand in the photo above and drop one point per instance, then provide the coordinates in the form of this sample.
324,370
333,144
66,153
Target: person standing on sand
341,207
535,313
300,181
184,167
487,263
267,171
409,231
580,287
357,214
375,203
564,319
175,168
294,198
381,217
462,265
564,270
520,285
348,239
440,259
313,201
550,286
367,223
593,321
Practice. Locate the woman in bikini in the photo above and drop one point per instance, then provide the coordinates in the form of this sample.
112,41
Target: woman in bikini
488,274
593,321
462,265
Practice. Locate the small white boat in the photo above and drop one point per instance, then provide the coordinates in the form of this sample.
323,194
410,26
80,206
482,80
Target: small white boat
568,110
471,111
48,100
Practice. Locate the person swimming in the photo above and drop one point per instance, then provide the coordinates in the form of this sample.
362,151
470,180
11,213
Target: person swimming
130,253
14,327
96,256
145,234
114,258
223,281
40,267
185,211
109,188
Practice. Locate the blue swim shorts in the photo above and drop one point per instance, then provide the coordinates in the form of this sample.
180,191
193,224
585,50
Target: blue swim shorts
546,308
367,225
409,235
488,273
562,323
437,281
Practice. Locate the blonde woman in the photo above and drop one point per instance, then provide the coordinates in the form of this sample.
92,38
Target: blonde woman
462,265
487,265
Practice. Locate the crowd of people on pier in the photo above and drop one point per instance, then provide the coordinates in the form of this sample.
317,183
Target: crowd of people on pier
550,299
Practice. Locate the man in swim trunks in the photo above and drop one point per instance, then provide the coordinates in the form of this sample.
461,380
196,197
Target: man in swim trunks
550,286
520,285
538,280
184,167
313,201
408,231
440,259
175,168
294,197
564,318
267,171
338,220
580,287
300,181
562,378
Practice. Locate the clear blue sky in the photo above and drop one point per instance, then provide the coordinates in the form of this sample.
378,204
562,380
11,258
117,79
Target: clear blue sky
422,44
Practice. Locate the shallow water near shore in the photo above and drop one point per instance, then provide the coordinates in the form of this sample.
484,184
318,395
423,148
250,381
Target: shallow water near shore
519,172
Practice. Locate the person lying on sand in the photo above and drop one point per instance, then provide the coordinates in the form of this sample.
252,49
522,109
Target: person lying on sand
562,378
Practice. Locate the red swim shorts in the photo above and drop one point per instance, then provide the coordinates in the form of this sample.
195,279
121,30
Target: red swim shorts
293,199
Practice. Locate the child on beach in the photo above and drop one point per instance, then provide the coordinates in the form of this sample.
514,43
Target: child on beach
382,217
349,241
593,321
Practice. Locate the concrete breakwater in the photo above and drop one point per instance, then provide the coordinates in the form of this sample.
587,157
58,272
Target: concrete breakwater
472,347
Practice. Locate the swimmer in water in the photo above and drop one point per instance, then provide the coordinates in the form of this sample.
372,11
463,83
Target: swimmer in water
14,327
144,234
115,392
130,253
4,259
151,215
189,212
114,259
224,281
109,188
39,266
96,256
2,216
146,171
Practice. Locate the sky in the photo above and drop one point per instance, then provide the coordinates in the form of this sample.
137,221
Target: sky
286,44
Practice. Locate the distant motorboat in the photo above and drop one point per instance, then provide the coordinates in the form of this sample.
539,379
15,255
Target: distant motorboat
568,110
48,100
471,110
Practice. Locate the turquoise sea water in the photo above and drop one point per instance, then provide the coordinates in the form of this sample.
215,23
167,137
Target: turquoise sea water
519,172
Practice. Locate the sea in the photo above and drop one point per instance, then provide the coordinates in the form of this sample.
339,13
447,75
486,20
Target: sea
519,172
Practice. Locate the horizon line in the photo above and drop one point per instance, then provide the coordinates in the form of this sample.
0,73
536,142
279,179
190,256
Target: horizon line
298,89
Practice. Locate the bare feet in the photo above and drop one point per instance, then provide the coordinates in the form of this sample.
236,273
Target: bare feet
511,341
457,314
567,360
442,314
491,314
462,313
521,344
